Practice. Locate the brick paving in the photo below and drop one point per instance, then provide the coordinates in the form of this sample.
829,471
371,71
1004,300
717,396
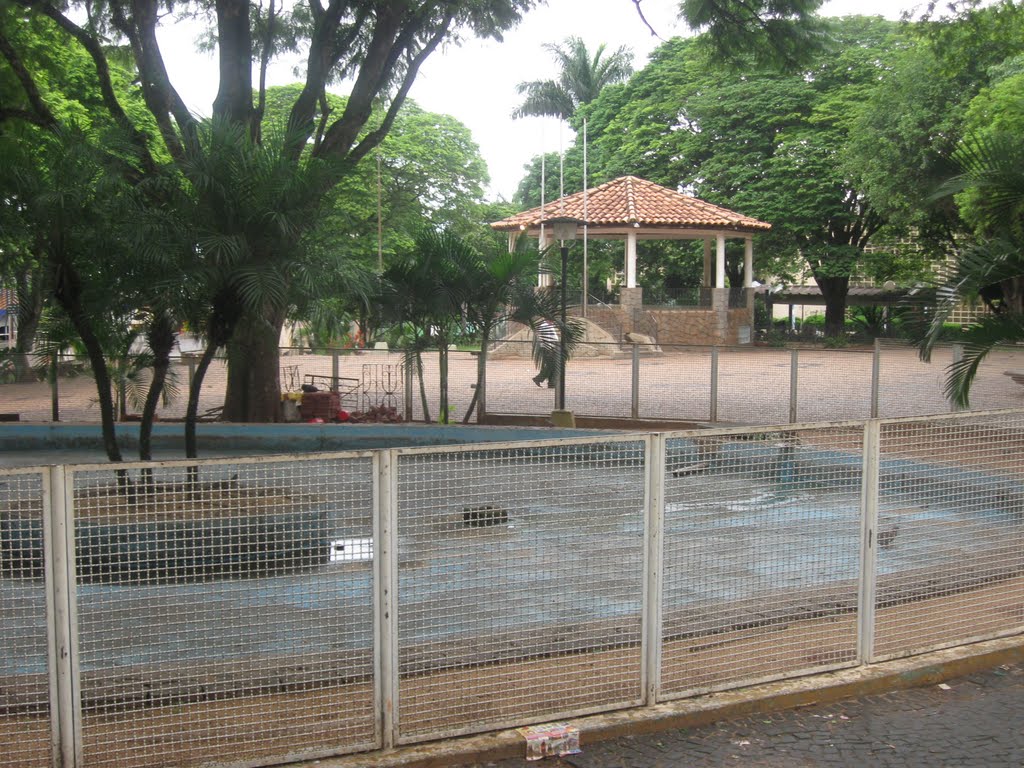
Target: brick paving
975,721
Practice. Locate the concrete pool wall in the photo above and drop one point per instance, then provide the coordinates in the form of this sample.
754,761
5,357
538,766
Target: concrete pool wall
27,444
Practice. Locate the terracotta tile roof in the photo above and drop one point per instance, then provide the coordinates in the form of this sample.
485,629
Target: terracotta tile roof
629,200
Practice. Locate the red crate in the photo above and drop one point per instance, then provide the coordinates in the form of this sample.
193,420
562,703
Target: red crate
320,405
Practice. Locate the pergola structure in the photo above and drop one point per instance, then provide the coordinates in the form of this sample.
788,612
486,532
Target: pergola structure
633,209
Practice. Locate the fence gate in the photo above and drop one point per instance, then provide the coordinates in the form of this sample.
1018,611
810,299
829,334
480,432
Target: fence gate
521,584
761,556
223,614
28,710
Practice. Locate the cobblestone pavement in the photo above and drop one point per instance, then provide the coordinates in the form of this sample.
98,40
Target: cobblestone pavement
975,721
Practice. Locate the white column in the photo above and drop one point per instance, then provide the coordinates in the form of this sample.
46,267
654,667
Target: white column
720,261
748,262
707,263
631,260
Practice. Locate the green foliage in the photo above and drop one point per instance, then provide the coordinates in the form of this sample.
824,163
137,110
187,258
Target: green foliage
777,33
581,78
991,170
763,142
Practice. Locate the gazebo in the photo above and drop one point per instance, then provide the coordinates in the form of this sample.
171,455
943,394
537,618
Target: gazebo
632,209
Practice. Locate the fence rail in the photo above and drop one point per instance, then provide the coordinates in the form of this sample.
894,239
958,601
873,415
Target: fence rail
252,611
741,385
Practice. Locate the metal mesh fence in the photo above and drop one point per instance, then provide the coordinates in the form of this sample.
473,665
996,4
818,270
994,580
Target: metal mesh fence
950,532
510,385
25,727
676,384
598,382
833,384
226,614
907,386
753,388
520,584
760,556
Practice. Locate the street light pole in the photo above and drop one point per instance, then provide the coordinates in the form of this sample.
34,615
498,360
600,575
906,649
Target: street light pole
560,405
563,229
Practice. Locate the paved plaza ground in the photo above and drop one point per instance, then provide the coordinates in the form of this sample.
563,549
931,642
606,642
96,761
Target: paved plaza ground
753,385
974,722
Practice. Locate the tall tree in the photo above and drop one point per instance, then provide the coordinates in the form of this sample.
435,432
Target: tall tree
581,78
765,142
377,46
783,34
991,170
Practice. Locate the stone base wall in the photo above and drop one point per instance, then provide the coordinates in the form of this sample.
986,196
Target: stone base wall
680,325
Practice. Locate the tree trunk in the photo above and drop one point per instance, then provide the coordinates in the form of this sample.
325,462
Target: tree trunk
444,417
254,381
423,387
192,410
69,297
1013,295
833,291
481,373
30,310
161,341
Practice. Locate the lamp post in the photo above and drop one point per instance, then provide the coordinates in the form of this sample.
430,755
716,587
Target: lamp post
563,229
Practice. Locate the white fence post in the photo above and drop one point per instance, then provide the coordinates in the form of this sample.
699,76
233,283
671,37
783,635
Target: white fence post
876,368
714,385
385,586
60,554
794,368
634,408
653,565
52,632
868,554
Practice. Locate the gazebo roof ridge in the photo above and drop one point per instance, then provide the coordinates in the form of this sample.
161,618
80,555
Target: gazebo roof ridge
629,201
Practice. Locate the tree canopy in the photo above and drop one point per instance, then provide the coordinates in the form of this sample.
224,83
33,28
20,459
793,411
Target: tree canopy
581,79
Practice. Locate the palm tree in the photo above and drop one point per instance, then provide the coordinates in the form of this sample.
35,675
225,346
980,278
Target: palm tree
990,176
420,290
69,201
242,208
581,80
498,289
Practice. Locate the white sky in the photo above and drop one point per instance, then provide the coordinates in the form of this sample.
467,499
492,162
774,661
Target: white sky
476,82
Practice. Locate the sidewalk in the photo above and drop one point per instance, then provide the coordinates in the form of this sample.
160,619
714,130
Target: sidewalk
975,721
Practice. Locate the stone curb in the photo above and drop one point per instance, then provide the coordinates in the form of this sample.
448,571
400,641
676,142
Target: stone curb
898,674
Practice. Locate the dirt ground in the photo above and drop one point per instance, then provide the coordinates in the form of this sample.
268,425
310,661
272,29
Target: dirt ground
753,385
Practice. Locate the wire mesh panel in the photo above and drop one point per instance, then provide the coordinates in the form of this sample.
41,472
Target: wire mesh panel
907,386
510,381
950,532
599,380
520,584
24,682
833,384
760,556
997,384
461,382
225,613
676,384
753,385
